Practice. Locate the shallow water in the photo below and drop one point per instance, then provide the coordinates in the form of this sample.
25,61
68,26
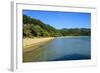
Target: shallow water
67,48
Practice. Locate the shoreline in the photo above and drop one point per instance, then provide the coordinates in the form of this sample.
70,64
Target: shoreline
70,36
29,43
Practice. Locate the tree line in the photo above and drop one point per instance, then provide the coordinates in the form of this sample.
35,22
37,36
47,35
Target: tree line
35,28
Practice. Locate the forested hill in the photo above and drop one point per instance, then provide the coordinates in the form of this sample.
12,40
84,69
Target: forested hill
35,28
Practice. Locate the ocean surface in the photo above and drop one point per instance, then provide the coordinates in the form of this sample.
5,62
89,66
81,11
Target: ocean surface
62,49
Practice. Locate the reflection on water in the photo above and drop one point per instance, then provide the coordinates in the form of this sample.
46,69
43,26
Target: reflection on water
69,48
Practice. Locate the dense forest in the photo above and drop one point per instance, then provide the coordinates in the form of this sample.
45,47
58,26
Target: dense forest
35,28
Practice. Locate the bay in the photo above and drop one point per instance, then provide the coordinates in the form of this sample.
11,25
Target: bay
62,49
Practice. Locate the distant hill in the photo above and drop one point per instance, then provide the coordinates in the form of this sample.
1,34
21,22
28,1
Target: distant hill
76,32
35,28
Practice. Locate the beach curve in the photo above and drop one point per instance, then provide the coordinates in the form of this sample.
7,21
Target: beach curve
28,43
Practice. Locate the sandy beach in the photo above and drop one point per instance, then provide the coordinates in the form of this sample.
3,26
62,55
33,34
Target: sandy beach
28,43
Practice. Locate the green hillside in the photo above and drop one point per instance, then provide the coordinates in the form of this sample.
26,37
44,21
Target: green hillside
35,28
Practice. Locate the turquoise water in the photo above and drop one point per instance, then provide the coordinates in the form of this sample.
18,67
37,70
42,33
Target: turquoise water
67,48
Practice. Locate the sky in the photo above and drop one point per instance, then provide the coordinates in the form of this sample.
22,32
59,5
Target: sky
61,20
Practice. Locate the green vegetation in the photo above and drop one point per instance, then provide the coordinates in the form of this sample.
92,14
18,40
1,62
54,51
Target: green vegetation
36,28
76,32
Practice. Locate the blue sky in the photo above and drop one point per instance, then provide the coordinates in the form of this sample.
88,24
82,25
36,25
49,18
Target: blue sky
61,20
